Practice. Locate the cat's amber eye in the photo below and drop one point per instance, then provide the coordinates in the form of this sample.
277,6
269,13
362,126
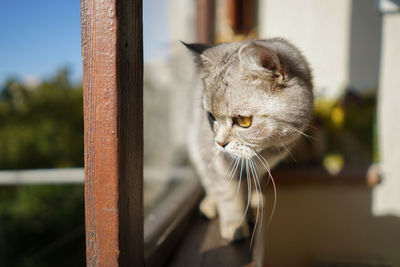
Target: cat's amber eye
244,122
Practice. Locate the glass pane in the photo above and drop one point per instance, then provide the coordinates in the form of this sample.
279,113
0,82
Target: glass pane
167,75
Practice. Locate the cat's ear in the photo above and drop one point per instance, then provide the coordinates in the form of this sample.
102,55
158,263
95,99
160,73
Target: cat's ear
197,50
260,60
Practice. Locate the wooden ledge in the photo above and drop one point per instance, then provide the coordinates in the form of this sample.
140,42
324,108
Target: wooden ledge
203,246
165,226
359,176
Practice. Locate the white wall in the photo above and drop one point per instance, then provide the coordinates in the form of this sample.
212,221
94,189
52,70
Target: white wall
181,15
348,44
340,38
387,195
330,223
319,28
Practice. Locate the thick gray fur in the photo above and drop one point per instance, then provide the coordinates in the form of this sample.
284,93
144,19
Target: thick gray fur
269,80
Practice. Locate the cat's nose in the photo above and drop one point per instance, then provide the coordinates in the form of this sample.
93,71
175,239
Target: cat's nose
222,144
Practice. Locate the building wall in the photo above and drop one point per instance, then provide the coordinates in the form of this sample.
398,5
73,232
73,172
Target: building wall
339,38
330,223
349,45
387,195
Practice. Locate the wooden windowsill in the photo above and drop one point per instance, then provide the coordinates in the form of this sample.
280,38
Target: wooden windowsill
165,224
203,246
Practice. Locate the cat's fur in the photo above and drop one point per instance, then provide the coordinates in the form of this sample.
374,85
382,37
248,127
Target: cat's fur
267,80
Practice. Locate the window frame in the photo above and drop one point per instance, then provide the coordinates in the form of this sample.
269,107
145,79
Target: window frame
112,55
113,123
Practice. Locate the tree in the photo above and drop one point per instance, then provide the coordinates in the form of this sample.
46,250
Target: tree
41,127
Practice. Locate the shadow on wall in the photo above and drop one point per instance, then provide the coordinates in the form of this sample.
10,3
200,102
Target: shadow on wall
319,225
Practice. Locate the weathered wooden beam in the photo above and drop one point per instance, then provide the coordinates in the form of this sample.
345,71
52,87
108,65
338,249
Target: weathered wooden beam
205,21
113,109
242,15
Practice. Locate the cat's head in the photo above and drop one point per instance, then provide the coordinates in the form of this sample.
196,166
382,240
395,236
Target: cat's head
257,94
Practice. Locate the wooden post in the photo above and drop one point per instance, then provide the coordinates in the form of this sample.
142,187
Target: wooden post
205,21
242,15
113,111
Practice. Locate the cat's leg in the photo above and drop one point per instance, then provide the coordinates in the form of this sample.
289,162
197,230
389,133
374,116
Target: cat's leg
203,162
224,198
230,202
231,210
208,206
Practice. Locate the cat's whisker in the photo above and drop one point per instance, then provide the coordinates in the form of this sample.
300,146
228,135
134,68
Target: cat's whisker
258,193
273,184
232,174
275,201
216,151
307,136
231,162
231,166
265,162
248,190
240,178
288,151
258,210
248,186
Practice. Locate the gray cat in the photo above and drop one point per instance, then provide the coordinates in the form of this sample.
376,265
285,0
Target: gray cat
256,101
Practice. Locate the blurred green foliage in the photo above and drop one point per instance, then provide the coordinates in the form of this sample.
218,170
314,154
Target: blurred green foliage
348,125
42,225
342,133
41,126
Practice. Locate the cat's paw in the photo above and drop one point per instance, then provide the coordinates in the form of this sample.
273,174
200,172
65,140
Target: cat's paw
208,207
233,231
255,199
255,204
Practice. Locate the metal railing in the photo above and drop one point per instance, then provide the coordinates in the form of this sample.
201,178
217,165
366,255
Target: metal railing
42,176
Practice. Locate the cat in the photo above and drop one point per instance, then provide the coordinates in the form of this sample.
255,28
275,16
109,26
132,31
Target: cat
256,101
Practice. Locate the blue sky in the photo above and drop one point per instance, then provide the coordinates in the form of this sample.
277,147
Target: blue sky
39,37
